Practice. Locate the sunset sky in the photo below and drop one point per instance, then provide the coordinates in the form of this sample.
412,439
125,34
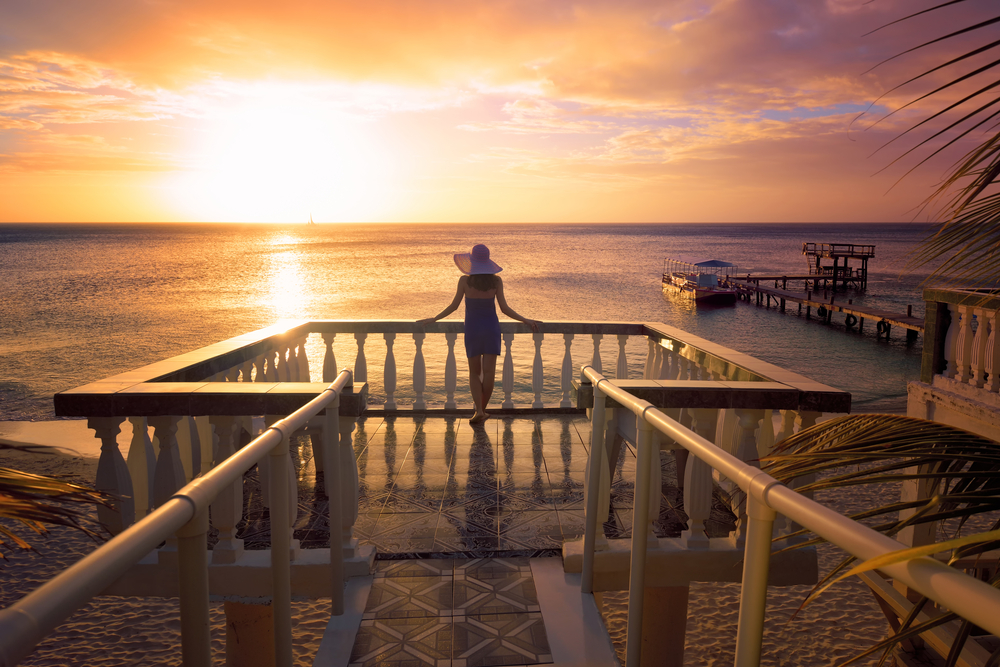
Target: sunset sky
460,110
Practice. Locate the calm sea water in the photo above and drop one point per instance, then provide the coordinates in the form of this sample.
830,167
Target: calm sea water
81,302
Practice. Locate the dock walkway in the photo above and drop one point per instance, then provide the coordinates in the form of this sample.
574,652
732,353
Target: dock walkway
853,315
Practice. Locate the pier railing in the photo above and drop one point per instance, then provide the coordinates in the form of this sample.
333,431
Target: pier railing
766,499
182,520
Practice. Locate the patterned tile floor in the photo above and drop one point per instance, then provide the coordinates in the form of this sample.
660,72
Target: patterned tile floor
448,612
437,486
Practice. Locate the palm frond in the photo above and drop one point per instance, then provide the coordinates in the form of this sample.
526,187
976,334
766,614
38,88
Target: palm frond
35,501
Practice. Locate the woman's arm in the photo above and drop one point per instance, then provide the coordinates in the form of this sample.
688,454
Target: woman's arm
509,312
452,307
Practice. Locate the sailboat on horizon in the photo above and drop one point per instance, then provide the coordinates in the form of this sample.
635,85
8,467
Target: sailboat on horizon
311,219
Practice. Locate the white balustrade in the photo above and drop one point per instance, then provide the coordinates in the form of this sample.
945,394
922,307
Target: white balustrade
419,371
537,378
389,375
566,379
992,354
169,473
304,372
622,366
227,508
113,475
507,381
595,360
963,348
141,465
450,372
360,362
329,358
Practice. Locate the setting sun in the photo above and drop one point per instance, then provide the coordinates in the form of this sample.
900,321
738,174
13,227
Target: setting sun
279,155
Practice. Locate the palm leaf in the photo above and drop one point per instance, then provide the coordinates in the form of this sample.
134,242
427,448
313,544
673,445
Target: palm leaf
34,501
962,466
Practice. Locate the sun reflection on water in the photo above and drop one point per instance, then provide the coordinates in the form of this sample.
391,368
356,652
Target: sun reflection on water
286,295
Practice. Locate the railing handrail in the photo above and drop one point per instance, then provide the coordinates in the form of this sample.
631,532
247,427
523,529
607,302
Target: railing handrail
970,598
30,619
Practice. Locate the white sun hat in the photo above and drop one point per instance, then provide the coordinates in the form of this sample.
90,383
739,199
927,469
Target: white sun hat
476,262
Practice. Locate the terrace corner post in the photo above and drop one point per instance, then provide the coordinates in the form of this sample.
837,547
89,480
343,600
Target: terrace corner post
936,321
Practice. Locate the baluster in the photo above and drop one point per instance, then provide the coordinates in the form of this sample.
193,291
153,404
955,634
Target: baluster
207,440
649,368
567,372
293,362
141,463
992,353
698,483
280,366
305,375
622,369
272,366
246,371
169,474
113,475
746,451
536,370
787,425
260,369
360,363
950,340
668,367
227,508
595,361
329,359
450,372
348,488
979,350
419,371
963,358
389,376
189,448
507,381
233,374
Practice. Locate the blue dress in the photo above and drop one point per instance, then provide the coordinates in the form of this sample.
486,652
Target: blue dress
482,327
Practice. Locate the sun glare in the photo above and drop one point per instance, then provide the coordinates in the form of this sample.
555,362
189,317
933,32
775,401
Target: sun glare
279,157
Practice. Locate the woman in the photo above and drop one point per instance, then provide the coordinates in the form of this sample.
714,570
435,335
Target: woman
479,286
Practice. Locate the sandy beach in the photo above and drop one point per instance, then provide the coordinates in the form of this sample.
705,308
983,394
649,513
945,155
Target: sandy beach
128,631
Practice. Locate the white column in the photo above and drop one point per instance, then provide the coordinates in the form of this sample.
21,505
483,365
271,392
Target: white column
537,371
389,374
189,447
746,451
360,363
979,340
647,372
281,588
113,475
282,364
992,354
141,464
507,382
450,372
169,474
698,483
963,356
246,371
329,359
272,366
293,362
622,369
567,372
348,488
419,371
227,508
595,360
260,372
304,374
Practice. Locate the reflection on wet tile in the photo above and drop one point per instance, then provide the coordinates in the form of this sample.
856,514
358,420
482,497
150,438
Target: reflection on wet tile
503,639
409,641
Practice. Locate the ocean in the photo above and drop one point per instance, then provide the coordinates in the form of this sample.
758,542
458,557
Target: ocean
80,302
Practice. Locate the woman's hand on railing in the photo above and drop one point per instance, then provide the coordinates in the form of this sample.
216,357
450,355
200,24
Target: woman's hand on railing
534,324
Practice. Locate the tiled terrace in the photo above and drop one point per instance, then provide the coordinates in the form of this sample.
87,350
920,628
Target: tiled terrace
434,487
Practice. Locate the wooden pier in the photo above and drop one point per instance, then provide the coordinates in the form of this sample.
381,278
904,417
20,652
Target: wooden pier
854,316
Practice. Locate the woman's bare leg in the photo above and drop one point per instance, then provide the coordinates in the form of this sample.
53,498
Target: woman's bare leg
476,386
489,378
